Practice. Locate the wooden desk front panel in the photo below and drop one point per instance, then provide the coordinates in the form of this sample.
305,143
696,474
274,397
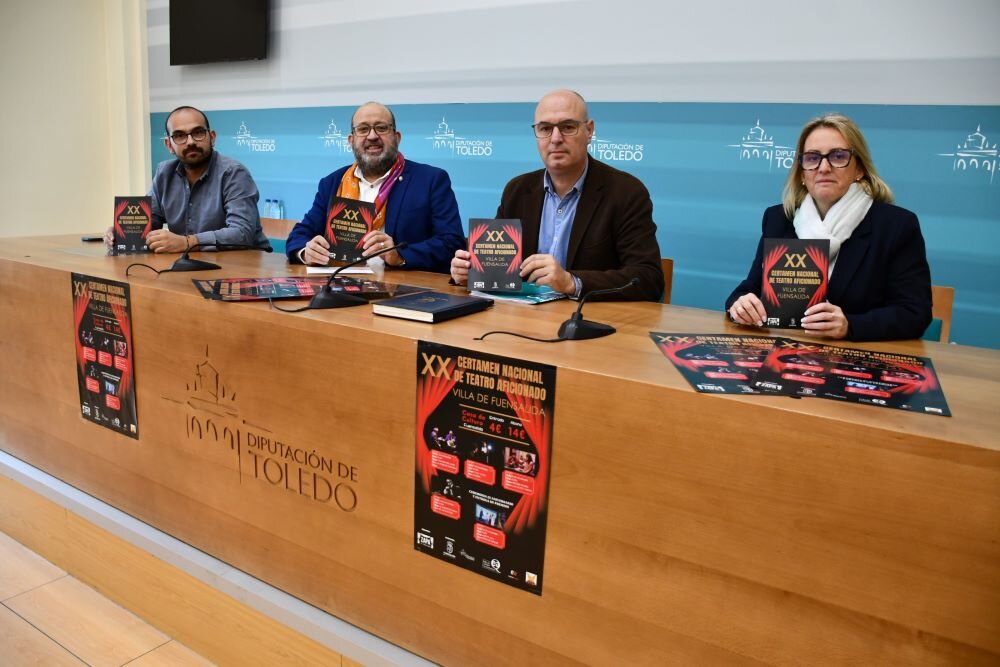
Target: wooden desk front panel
683,528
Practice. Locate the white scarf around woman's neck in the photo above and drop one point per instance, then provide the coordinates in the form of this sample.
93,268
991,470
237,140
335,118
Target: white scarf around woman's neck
840,221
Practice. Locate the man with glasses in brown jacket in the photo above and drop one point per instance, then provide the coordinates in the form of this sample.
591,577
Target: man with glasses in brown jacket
586,226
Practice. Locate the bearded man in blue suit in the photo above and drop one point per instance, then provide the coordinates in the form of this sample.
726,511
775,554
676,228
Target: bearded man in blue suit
414,202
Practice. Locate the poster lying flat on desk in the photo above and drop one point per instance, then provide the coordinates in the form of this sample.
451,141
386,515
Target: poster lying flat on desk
484,450
529,294
105,363
294,287
715,363
884,379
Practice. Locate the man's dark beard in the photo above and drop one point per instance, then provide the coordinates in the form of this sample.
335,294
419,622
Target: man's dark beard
375,167
202,161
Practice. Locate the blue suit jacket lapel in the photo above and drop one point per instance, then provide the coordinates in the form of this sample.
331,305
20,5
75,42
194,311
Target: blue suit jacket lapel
395,203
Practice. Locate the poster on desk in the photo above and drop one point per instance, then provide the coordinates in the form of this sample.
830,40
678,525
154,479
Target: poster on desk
883,379
483,455
715,363
105,368
295,287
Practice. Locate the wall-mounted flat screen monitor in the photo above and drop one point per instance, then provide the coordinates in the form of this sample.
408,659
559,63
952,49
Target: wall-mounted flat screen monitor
211,31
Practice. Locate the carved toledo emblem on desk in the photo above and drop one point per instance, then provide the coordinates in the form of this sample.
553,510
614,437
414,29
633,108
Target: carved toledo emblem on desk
215,428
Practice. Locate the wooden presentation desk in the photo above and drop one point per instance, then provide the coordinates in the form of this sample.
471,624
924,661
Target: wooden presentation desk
683,528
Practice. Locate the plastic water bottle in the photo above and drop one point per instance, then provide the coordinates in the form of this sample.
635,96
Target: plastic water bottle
281,209
267,209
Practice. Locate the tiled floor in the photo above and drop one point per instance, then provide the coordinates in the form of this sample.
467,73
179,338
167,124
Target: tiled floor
49,618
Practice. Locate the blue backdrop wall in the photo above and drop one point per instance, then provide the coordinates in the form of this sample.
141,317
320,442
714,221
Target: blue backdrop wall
711,170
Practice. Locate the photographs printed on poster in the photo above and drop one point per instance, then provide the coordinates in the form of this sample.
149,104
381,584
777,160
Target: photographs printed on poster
733,364
294,287
715,363
884,379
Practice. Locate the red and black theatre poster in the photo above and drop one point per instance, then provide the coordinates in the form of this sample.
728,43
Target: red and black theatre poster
347,222
795,278
484,450
105,368
133,222
715,363
884,379
295,287
495,255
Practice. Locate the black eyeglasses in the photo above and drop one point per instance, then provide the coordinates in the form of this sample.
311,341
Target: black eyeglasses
181,138
380,128
567,128
838,158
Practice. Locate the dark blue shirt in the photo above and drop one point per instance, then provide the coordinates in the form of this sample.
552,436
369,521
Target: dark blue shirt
220,207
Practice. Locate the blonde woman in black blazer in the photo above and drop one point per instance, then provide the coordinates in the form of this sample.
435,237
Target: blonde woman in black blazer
880,285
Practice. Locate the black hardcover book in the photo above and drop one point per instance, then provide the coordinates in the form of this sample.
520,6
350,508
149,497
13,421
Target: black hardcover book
347,222
431,306
133,222
495,249
795,278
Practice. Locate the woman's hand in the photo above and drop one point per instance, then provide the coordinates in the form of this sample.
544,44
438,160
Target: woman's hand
748,310
825,319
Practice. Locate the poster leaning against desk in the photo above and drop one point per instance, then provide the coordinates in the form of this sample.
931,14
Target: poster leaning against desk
105,368
484,451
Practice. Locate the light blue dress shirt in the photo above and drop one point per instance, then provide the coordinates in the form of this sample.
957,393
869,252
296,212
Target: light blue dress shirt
557,221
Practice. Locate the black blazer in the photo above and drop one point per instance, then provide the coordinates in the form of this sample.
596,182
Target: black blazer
881,279
613,238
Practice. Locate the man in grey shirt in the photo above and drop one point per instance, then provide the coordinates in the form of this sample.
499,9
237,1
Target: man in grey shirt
202,197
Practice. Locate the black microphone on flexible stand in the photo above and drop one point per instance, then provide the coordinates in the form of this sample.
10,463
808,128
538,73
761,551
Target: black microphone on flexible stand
186,263
328,298
577,328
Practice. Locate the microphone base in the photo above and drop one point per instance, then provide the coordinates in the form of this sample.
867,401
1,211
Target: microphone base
187,264
579,329
330,299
